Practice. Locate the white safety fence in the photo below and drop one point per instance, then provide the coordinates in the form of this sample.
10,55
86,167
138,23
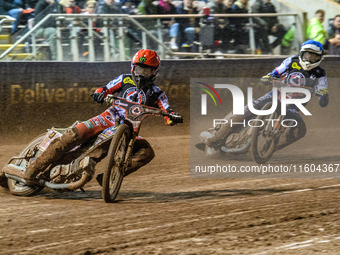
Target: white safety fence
78,39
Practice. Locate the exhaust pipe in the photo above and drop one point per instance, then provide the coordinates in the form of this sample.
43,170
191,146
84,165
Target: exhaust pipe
71,186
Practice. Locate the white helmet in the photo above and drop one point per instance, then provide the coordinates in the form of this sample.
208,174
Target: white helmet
311,54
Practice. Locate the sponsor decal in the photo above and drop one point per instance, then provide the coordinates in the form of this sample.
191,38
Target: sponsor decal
108,132
118,102
130,94
296,66
102,120
296,79
164,100
95,121
142,59
128,80
136,110
109,118
52,135
88,124
118,79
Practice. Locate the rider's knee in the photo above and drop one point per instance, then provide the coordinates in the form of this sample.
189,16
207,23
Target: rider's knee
69,138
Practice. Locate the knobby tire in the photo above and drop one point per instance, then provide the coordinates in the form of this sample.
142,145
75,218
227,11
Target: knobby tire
262,155
114,170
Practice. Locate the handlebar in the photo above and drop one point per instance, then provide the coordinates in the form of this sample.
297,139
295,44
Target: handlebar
277,83
109,99
147,110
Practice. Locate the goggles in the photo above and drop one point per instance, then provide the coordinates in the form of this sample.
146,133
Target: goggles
143,71
311,57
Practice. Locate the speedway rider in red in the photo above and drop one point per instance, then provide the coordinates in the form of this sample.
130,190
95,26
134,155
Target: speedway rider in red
137,87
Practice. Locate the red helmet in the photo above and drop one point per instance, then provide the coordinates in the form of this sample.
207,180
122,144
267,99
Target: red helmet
144,67
146,57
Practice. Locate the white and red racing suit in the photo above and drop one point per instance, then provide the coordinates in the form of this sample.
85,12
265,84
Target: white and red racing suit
124,87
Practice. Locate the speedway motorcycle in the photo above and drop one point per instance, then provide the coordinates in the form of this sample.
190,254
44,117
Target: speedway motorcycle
262,140
115,142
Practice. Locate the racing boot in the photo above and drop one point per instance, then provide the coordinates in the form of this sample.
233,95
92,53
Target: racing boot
291,135
53,152
142,155
217,140
209,151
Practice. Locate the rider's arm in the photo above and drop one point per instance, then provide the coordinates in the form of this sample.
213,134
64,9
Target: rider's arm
278,71
322,89
112,87
281,69
163,104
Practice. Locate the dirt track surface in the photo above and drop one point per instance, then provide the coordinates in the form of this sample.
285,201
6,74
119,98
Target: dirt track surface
162,210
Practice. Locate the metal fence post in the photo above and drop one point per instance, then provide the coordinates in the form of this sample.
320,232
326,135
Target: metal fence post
34,47
121,40
252,36
74,41
160,38
106,40
144,42
90,40
113,50
59,39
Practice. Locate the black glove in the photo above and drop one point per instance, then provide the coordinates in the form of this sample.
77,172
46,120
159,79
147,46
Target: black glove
323,100
98,97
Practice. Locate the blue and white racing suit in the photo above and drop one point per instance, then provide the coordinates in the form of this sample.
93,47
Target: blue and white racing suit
292,73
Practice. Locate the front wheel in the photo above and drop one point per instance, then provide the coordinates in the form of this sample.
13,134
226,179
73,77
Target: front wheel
264,138
114,171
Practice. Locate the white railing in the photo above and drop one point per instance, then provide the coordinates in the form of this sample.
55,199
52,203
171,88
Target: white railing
5,19
111,35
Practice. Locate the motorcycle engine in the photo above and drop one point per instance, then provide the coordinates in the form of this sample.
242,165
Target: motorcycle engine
73,171
62,174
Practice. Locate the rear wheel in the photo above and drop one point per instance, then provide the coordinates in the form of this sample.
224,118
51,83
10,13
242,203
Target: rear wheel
265,138
18,188
114,171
